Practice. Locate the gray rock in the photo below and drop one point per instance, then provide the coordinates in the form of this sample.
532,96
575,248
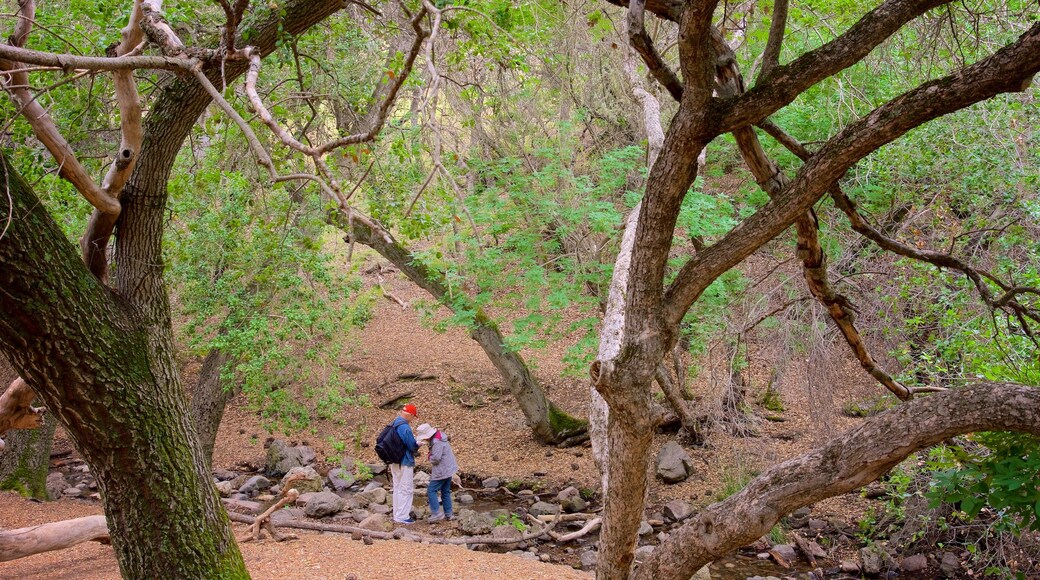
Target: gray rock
914,563
307,455
491,483
507,532
542,508
340,479
642,552
323,504
567,493
379,509
421,479
359,515
474,523
223,487
56,484
374,522
874,559
242,506
529,556
370,486
281,458
465,499
645,528
950,565
373,496
224,475
306,479
662,536
376,468
275,490
785,552
673,463
588,560
817,525
499,513
677,510
239,497
255,484
72,492
305,498
284,516
525,493
849,567
574,505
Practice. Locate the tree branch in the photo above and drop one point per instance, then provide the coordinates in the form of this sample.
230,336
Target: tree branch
644,45
771,54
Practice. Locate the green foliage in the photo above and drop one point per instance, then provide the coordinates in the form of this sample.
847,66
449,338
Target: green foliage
868,407
1001,475
511,520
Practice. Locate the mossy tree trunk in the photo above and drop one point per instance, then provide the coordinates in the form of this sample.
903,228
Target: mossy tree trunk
25,462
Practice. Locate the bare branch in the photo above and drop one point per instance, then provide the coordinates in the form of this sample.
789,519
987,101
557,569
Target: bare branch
771,54
644,45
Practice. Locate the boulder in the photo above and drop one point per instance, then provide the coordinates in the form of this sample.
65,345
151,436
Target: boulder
281,458
255,484
574,505
359,515
673,463
323,504
308,480
72,492
224,475
567,493
307,455
371,485
340,479
588,560
376,496
784,554
465,499
677,510
304,498
950,565
55,484
475,523
542,508
374,522
873,560
376,468
507,532
379,509
492,483
223,487
645,528
915,563
642,552
421,479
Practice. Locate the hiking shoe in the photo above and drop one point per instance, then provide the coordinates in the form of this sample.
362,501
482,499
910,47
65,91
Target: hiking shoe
449,517
406,522
439,516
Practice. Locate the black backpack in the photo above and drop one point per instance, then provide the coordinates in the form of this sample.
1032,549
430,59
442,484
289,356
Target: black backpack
389,446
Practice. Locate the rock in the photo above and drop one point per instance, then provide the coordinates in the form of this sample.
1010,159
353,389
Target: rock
500,513
491,483
359,515
545,557
673,463
507,532
323,504
281,458
642,552
224,474
242,506
72,492
376,468
466,499
340,479
275,490
784,554
239,497
817,525
475,523
542,508
588,560
849,567
304,498
376,496
263,498
255,484
567,493
529,555
662,536
524,493
379,509
308,480
914,563
950,565
307,455
677,510
374,522
645,528
56,484
370,486
702,574
574,505
421,479
874,559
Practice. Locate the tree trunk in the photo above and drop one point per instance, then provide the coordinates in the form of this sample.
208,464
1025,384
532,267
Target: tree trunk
24,542
115,389
26,460
848,462
209,399
550,424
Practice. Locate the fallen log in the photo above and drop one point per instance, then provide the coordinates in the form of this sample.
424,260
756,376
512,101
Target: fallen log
586,529
392,401
24,542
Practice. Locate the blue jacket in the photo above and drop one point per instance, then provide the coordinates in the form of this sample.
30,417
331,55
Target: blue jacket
404,431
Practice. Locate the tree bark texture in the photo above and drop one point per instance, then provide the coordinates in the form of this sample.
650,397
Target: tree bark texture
846,463
84,351
26,459
550,424
209,399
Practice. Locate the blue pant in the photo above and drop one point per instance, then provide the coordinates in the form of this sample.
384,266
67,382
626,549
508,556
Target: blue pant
443,488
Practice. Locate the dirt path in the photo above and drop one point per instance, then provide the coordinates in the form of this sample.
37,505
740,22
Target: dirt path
314,556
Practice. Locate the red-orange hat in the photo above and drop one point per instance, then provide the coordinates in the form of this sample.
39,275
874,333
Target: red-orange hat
410,409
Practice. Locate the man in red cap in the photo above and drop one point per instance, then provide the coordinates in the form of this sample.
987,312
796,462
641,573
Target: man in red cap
404,472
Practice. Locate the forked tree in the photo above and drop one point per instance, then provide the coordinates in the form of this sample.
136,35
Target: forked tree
644,310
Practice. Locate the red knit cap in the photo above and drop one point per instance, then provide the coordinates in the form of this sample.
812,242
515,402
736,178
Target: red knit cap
410,408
